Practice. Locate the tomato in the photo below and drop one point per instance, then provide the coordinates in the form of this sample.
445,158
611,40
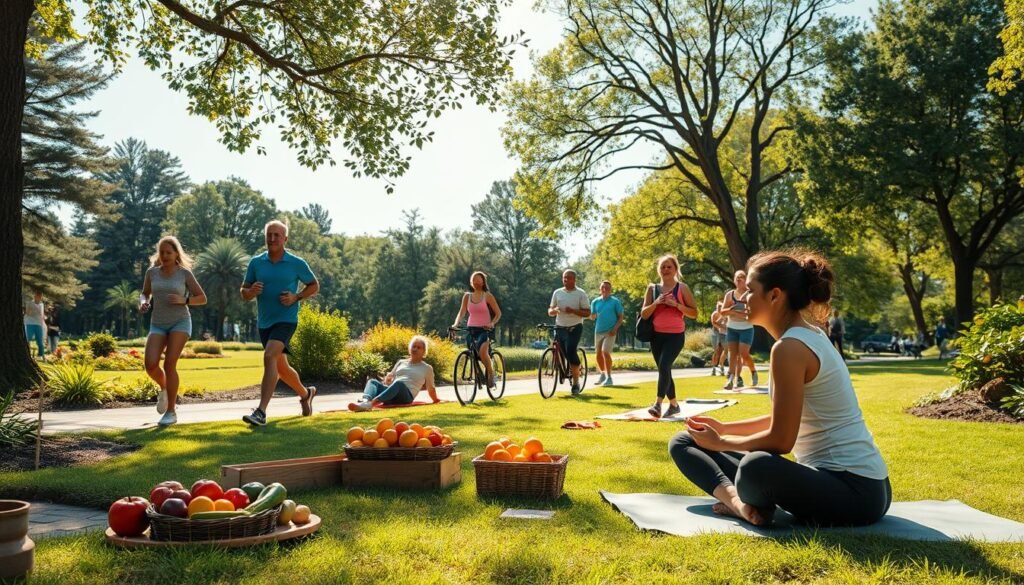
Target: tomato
127,516
208,488
237,497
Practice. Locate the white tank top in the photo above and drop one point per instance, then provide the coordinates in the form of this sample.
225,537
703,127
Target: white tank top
737,323
832,431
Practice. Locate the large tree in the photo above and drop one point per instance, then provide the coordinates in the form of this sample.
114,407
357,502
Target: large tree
365,74
407,263
906,116
220,268
220,209
636,77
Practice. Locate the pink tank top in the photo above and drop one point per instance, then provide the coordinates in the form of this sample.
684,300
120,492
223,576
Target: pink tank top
479,314
668,319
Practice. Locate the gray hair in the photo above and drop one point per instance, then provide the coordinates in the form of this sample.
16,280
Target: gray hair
426,343
276,222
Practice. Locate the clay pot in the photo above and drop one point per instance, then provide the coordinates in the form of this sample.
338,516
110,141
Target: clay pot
17,551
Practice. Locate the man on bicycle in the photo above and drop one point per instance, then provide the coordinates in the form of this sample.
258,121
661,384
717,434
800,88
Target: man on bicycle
569,306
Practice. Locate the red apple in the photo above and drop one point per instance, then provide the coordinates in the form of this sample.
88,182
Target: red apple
127,516
159,494
174,485
435,438
174,507
183,495
208,488
237,497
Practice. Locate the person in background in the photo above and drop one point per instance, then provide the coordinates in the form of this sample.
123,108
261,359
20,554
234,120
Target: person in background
718,357
739,333
53,326
942,337
666,304
35,321
484,314
607,312
569,306
836,330
403,382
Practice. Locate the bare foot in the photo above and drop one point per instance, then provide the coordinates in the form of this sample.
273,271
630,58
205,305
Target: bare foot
734,506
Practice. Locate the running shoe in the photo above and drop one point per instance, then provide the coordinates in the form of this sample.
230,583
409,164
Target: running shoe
257,418
672,410
307,402
753,378
728,384
714,371
655,410
601,379
169,418
739,381
362,405
161,401
576,389
608,381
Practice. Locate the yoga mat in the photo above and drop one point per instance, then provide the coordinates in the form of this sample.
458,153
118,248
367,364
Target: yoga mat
746,390
931,520
689,407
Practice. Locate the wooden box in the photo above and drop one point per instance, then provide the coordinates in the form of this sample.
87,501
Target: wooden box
308,472
402,474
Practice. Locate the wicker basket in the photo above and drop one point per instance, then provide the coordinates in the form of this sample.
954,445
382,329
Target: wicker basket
531,479
164,527
400,453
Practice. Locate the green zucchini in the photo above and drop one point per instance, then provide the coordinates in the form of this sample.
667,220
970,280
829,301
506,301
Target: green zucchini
271,497
218,515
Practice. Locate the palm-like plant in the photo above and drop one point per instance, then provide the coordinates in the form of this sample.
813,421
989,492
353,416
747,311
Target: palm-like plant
220,268
125,298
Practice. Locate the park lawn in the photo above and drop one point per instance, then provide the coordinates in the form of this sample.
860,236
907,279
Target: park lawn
381,536
237,370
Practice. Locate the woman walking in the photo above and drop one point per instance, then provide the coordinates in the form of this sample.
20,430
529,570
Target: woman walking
718,340
839,477
666,303
484,314
169,289
739,333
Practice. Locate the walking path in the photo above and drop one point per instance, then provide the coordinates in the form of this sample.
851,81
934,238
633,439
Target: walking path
46,520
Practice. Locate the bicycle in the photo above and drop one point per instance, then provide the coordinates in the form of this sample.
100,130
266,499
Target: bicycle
469,374
554,368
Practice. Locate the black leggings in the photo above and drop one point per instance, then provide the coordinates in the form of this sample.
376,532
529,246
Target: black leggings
813,496
665,348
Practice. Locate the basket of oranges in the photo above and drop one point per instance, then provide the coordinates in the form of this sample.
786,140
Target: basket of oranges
508,469
400,441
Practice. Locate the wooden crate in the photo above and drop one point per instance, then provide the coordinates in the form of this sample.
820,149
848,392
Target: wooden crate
308,472
403,474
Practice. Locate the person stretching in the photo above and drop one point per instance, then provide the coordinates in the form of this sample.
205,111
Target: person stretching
403,382
839,477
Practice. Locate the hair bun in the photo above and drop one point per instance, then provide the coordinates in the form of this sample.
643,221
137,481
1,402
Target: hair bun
819,277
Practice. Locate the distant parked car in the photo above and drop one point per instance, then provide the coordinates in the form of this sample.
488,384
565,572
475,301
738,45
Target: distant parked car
876,343
539,344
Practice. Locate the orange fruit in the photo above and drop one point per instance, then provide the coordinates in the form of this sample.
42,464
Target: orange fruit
200,504
490,449
501,455
505,441
513,449
424,442
408,439
521,458
370,437
542,458
533,446
420,431
385,424
356,444
381,443
401,428
355,434
446,440
391,436
224,505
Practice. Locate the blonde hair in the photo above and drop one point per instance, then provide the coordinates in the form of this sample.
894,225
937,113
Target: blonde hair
183,259
675,262
426,344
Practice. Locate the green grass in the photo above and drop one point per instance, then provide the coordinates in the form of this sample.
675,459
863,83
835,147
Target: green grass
381,536
238,369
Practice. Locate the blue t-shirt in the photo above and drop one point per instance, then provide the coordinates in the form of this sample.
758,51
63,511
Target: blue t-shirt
277,277
607,311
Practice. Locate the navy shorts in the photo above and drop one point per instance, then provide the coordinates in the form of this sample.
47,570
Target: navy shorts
477,335
278,331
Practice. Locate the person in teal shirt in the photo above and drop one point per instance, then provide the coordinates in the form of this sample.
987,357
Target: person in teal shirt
607,310
273,278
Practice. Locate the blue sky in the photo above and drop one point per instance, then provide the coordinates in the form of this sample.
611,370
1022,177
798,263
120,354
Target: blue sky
445,177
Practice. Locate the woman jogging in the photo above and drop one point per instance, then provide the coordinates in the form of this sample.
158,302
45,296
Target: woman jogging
666,303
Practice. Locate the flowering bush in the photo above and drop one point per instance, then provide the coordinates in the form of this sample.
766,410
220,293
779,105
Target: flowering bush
992,347
391,342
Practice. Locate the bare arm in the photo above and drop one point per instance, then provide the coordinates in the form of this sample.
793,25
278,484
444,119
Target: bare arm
689,305
650,303
462,310
493,304
431,390
196,297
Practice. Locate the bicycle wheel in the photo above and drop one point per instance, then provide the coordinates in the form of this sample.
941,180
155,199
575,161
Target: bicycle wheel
498,364
464,379
547,373
583,368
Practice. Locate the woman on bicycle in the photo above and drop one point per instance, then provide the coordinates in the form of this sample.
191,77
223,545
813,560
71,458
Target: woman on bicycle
666,304
484,314
739,334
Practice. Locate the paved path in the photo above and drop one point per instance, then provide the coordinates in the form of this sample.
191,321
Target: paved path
46,519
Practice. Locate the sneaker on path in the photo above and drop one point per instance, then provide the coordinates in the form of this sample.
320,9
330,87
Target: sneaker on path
672,410
728,384
576,389
655,410
753,378
169,418
361,406
601,379
714,371
739,381
608,381
257,418
307,402
161,401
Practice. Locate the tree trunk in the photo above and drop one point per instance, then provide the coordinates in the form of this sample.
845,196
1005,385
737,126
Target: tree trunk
995,284
17,369
963,274
914,296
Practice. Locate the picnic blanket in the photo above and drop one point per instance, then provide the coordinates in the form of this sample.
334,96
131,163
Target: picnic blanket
932,520
578,425
687,408
745,390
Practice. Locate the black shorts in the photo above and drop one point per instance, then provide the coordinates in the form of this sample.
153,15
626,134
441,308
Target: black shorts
478,335
569,339
280,331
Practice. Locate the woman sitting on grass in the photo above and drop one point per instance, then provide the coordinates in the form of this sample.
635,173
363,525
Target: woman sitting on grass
402,383
839,477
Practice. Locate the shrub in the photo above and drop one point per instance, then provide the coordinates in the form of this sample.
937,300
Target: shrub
15,431
318,342
135,390
992,347
697,340
391,341
239,346
136,342
645,361
119,362
358,365
1014,403
520,359
75,384
100,344
207,347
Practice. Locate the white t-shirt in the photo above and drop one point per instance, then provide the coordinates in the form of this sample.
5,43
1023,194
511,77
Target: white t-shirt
832,432
414,376
576,298
35,313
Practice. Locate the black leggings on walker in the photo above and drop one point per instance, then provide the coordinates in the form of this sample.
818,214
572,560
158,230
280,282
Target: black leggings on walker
813,496
665,348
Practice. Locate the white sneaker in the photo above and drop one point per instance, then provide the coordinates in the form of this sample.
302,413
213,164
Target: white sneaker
601,379
361,406
161,401
169,418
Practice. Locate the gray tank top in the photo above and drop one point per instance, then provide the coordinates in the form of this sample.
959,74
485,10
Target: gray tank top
161,286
